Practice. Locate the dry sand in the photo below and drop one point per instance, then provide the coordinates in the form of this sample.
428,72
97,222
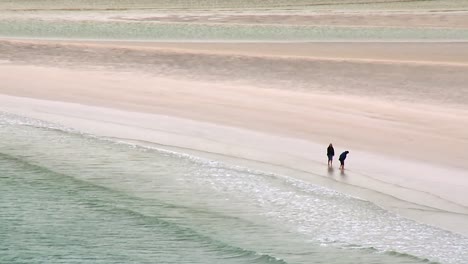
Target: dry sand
406,155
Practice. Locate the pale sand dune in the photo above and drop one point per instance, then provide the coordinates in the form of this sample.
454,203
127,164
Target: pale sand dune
406,156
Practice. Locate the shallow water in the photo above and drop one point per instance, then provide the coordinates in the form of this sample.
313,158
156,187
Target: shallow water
66,197
103,20
115,30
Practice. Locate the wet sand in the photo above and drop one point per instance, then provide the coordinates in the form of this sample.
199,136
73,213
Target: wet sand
406,154
340,18
446,53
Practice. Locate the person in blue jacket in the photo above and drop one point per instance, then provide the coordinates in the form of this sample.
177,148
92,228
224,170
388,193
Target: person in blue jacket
330,154
342,159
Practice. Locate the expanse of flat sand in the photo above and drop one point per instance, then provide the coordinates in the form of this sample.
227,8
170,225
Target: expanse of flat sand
401,109
355,19
447,53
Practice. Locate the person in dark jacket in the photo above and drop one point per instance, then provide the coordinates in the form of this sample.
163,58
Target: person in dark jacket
342,159
330,154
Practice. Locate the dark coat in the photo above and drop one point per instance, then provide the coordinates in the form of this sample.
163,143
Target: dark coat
343,155
330,151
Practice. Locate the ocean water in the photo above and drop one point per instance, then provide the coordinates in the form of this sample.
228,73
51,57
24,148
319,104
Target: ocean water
68,197
99,20
155,31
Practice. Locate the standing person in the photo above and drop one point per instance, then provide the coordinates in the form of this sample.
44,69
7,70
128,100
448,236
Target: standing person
330,154
342,159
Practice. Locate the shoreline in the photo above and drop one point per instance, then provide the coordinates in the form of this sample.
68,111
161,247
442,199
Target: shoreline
410,188
407,157
425,204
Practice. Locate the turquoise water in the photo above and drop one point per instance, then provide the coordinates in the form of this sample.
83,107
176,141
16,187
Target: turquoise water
113,30
66,197
101,20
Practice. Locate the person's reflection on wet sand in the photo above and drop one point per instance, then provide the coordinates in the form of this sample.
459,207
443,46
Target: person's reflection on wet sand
343,174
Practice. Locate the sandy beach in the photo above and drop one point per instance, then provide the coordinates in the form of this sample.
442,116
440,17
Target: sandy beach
161,131
274,107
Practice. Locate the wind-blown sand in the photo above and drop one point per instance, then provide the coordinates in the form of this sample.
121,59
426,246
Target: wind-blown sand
399,108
